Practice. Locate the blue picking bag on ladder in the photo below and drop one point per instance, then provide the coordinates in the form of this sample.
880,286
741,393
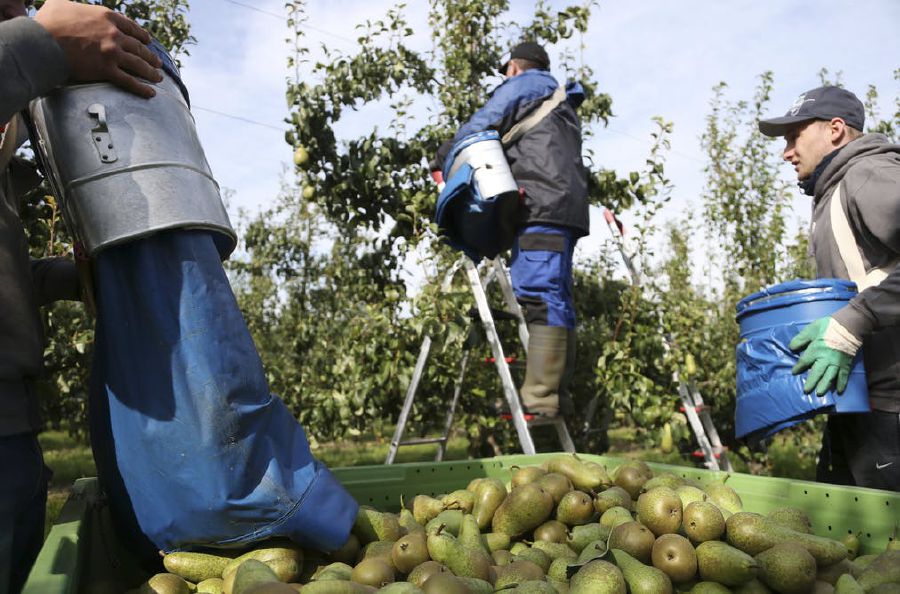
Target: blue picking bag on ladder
190,445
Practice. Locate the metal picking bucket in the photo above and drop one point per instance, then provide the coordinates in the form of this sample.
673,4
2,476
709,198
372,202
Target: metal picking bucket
484,152
124,167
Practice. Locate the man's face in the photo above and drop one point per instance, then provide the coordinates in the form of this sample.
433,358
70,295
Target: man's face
10,9
806,145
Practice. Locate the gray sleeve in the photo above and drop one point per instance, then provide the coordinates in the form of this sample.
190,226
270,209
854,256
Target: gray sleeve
875,206
31,64
54,279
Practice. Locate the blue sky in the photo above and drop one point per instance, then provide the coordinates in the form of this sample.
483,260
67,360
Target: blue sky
654,57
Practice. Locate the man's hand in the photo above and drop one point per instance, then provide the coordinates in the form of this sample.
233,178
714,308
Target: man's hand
101,45
829,353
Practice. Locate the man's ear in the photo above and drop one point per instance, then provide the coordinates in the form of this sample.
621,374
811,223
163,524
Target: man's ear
838,129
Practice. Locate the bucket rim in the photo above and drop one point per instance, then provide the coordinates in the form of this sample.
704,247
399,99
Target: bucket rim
801,290
464,143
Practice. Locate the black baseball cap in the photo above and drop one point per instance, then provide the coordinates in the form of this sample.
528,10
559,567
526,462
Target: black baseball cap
823,103
527,50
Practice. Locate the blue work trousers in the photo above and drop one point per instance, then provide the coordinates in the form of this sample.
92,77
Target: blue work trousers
23,501
541,271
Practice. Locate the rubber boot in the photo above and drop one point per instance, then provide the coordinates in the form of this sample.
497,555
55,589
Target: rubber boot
544,370
566,405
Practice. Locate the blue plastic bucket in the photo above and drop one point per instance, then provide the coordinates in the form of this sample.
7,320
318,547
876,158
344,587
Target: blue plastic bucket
769,397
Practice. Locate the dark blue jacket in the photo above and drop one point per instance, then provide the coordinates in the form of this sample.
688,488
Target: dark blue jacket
546,161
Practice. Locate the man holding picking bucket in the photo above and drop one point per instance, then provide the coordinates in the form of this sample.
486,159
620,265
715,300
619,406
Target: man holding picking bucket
854,180
545,159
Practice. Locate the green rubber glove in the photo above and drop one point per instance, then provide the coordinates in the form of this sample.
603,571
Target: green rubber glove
828,354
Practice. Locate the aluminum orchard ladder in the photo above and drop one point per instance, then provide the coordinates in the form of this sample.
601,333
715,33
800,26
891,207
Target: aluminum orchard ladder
711,448
479,281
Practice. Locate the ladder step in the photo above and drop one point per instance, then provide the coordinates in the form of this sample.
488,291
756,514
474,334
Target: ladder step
511,361
423,440
536,420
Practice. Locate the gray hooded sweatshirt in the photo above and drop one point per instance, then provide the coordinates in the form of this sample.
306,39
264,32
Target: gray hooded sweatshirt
868,170
31,63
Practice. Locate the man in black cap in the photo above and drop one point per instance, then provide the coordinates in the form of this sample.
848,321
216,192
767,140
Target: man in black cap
854,179
546,163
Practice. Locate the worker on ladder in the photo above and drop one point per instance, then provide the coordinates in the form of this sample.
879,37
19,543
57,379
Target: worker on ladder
541,136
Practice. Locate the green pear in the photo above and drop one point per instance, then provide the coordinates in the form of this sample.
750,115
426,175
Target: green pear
664,479
612,497
674,555
461,560
349,551
598,577
846,584
660,510
334,571
517,572
702,521
580,536
720,562
552,531
445,583
470,536
724,496
641,579
195,567
477,586
489,494
502,557
420,574
634,538
523,510
831,573
168,583
372,525
787,568
536,556
709,588
791,517
450,519
631,476
555,550
409,552
575,508
753,534
587,477
375,572
524,475
884,569
689,494
460,499
496,541
556,484
425,508
534,587
615,516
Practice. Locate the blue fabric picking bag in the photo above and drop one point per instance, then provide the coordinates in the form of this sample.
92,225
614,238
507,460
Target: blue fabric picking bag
191,447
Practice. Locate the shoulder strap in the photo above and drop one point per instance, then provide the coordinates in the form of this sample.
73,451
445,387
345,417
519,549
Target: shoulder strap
532,119
848,248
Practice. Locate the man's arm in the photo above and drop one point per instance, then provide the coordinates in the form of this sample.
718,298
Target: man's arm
874,205
31,64
509,103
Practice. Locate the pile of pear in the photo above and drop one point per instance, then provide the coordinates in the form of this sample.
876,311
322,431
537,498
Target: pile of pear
567,526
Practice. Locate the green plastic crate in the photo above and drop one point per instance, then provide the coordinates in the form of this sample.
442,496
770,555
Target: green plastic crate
81,554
